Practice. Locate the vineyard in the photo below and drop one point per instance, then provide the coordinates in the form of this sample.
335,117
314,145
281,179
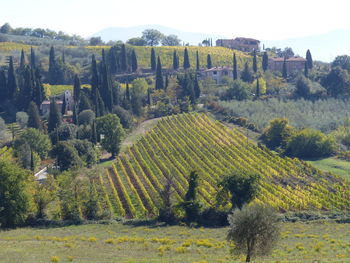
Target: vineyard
187,142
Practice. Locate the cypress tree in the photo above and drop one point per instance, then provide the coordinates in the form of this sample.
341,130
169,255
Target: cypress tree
306,70
112,60
123,60
100,106
235,71
149,96
196,87
187,64
134,61
153,59
94,133
75,114
103,56
52,67
159,76
94,78
175,61
209,64
26,89
106,87
255,65
39,91
76,89
84,103
3,86
12,87
55,118
284,69
257,88
246,75
34,120
197,61
22,60
32,58
265,61
166,82
309,59
127,97
63,57
64,105
116,95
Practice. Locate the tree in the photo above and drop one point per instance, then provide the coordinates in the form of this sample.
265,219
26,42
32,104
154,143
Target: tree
277,133
303,87
175,61
246,75
343,62
52,67
186,60
3,86
284,69
76,89
255,64
95,41
94,79
67,156
55,118
32,58
153,60
34,120
240,186
125,116
159,76
109,126
137,41
86,117
38,93
306,70
265,61
254,230
257,93
23,61
235,70
12,87
152,37
65,132
196,87
123,59
5,28
337,82
137,94
45,193
15,194
209,64
171,40
309,59
133,61
197,61
93,207
166,209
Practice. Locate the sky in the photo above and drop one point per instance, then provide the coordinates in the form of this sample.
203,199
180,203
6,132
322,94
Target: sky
261,19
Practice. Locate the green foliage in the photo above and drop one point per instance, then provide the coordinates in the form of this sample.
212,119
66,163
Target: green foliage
171,40
254,230
111,129
310,143
303,87
86,117
34,120
337,82
238,90
45,193
125,116
15,194
277,133
22,119
67,156
240,186
152,36
55,117
67,131
187,64
137,41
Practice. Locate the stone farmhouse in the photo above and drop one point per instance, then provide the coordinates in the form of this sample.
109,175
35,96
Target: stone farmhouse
218,73
67,96
294,64
240,43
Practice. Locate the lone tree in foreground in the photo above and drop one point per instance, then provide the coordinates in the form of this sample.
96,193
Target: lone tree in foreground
254,230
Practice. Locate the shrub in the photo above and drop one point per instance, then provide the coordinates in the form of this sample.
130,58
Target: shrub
277,133
22,119
239,90
86,117
66,131
124,116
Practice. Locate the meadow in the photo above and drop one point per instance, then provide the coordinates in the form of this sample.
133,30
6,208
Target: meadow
106,243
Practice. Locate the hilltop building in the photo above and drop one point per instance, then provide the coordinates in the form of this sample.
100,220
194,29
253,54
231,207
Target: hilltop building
218,73
294,64
240,43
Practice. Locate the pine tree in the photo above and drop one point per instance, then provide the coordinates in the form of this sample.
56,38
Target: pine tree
235,71
12,87
153,59
306,70
209,64
187,64
196,87
175,61
284,69
32,58
3,86
265,61
134,61
76,89
255,65
22,60
257,88
159,76
197,61
309,59
123,60
55,118
34,120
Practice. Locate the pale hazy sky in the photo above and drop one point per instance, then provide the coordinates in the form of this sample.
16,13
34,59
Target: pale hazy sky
262,19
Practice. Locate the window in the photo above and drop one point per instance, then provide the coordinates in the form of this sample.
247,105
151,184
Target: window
215,72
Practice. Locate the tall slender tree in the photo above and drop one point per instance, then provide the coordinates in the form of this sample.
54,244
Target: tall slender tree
309,59
64,105
76,89
55,118
209,64
284,69
134,65
12,86
3,86
25,94
257,93
123,59
255,64
197,61
39,91
34,117
187,64
159,76
265,61
52,67
94,78
32,58
153,59
22,60
246,74
196,87
175,61
306,70
235,71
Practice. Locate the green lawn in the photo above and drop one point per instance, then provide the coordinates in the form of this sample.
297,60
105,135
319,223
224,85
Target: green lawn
300,242
336,166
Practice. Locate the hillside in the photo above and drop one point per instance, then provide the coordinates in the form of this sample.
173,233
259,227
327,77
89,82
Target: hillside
183,143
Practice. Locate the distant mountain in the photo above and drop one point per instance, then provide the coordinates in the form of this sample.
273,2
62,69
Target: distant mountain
324,47
125,33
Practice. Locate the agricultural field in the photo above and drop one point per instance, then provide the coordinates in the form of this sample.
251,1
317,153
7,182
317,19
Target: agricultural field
13,46
52,90
333,165
116,242
183,143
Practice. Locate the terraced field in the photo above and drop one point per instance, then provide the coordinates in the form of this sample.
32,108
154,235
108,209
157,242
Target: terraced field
184,143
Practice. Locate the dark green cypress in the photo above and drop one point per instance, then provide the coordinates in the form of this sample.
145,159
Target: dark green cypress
257,88
34,120
235,70
64,105
153,59
52,67
196,87
55,118
84,103
12,87
265,61
197,61
306,70
100,106
3,86
187,64
75,114
149,96
166,82
255,64
76,89
123,60
175,61
26,89
127,92
106,87
209,64
284,69
246,75
309,59
94,78
134,65
22,60
159,76
39,91
63,57
93,133
32,58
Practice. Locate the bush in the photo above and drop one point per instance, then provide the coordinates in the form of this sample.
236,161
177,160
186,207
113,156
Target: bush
238,91
310,143
124,116
67,156
86,117
277,133
66,131
22,119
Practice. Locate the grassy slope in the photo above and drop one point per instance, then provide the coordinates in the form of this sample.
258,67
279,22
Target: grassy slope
336,166
300,242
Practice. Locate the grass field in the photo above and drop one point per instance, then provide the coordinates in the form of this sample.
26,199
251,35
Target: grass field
333,165
300,242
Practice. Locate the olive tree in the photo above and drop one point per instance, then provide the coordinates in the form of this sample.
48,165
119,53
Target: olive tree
254,230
